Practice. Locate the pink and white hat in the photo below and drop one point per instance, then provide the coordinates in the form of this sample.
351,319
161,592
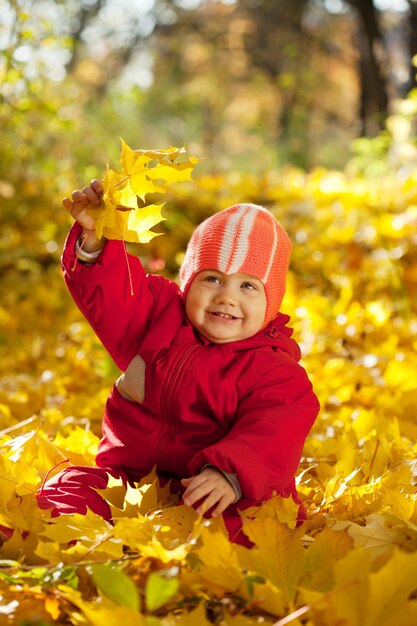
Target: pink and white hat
245,239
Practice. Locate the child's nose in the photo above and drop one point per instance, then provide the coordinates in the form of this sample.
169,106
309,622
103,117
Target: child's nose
226,296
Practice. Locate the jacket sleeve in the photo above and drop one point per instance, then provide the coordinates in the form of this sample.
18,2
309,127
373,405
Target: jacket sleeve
102,292
264,446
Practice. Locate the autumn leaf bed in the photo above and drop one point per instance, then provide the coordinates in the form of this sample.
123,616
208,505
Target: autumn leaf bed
352,297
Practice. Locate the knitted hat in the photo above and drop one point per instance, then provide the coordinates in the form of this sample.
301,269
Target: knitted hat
245,239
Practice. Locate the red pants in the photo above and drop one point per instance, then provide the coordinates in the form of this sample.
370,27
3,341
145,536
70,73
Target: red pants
74,489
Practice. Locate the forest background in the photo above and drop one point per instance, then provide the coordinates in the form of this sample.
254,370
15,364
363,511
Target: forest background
308,107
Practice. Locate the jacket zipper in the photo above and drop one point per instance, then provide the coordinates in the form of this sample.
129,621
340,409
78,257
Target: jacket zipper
177,370
169,389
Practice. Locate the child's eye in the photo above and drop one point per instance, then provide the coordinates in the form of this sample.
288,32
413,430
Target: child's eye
248,286
212,279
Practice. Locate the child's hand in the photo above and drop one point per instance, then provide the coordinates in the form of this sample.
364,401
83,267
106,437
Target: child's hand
89,197
211,485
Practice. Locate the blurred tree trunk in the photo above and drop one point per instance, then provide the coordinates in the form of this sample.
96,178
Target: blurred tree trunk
412,21
278,45
275,42
84,17
374,98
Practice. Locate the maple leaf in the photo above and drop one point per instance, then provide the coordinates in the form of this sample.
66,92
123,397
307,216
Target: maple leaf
218,566
126,213
102,611
79,445
381,534
33,450
128,501
284,510
279,555
73,538
349,597
363,598
157,536
15,478
328,547
358,475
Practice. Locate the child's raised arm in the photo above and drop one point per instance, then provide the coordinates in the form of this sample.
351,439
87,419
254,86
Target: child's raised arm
109,286
89,196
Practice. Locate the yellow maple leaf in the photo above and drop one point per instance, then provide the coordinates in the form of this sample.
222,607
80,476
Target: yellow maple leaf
79,446
381,534
15,478
23,515
363,598
391,588
345,603
33,450
219,568
328,546
127,214
153,494
167,535
278,555
102,611
284,510
73,538
227,567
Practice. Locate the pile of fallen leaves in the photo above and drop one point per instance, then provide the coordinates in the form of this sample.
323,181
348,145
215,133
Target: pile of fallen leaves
352,296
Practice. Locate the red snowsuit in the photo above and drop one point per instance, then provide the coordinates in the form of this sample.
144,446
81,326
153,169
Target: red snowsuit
244,407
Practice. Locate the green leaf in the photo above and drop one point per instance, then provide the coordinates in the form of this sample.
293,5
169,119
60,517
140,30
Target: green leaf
250,582
117,586
159,590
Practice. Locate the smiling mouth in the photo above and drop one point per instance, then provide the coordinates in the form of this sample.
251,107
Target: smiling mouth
225,316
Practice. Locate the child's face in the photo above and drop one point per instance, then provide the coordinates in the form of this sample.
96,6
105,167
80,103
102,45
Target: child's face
225,308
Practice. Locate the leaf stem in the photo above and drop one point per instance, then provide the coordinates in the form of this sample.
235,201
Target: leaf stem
51,470
19,425
371,466
28,568
121,181
292,616
132,293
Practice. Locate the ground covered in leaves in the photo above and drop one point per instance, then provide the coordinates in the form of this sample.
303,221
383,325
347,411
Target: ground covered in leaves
352,297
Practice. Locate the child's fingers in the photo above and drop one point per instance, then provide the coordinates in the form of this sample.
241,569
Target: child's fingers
97,185
224,502
213,498
211,491
194,493
79,202
193,482
80,199
91,195
67,204
73,207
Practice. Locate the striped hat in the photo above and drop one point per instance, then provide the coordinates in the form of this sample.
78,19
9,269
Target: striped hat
244,239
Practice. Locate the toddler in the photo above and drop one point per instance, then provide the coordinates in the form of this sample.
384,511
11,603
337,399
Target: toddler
211,393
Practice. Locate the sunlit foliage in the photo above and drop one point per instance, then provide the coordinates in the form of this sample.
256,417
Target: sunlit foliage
352,293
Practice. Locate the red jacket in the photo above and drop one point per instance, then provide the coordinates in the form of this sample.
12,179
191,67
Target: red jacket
245,407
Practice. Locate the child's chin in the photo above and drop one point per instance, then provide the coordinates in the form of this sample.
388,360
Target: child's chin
223,338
